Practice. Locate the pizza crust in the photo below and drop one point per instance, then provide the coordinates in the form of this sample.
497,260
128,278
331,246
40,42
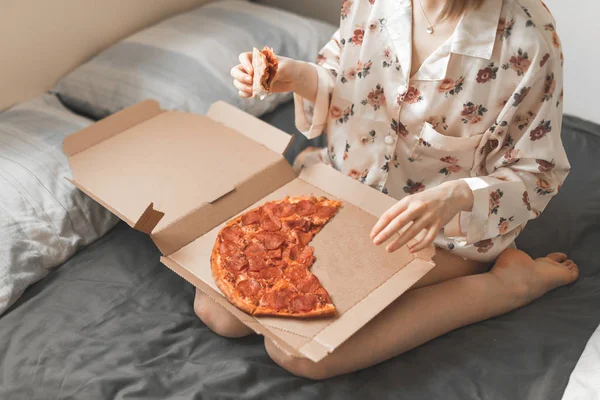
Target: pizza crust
224,286
326,311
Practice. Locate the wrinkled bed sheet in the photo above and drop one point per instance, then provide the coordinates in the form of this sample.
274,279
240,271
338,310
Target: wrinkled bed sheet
113,323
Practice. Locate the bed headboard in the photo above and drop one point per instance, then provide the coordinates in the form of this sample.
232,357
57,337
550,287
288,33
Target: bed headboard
41,40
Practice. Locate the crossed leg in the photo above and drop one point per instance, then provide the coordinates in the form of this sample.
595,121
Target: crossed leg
455,294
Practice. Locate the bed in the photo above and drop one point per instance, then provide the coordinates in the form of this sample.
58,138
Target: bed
114,323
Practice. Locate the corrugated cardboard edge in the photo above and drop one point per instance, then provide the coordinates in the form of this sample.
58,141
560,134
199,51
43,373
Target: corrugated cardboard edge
246,319
110,126
252,127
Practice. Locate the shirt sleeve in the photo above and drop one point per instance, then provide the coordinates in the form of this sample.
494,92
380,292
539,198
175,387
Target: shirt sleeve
521,162
311,118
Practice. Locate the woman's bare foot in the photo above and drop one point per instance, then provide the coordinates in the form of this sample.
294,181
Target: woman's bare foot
218,319
531,279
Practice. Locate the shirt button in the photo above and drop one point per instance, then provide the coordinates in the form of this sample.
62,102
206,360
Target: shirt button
389,139
364,140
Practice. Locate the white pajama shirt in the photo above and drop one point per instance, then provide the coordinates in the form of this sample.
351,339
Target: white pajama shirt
485,107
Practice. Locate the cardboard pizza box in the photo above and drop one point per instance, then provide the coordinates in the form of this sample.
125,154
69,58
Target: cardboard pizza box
180,177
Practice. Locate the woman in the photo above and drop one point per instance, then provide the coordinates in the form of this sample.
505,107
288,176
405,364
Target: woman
453,107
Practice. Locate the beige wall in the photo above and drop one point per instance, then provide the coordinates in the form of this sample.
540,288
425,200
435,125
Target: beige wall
576,24
41,40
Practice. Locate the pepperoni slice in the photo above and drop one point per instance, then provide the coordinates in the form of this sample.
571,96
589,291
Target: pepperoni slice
232,233
228,248
296,273
277,300
326,212
248,287
254,248
294,253
270,224
305,207
282,298
275,254
303,302
283,210
309,285
270,208
257,263
303,255
251,218
236,263
270,240
268,300
270,273
295,223
304,238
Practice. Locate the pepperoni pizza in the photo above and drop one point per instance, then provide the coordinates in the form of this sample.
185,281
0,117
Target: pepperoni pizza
261,260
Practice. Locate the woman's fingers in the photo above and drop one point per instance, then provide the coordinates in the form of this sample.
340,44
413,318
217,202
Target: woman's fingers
243,75
239,74
244,95
242,87
388,217
395,226
426,241
246,62
407,235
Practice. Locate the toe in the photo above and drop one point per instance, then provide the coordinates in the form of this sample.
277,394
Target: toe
558,257
573,267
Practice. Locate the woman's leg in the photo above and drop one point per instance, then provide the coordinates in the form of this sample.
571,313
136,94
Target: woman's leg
219,320
450,266
428,312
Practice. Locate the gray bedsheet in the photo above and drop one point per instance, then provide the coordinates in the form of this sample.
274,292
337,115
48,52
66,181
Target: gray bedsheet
113,323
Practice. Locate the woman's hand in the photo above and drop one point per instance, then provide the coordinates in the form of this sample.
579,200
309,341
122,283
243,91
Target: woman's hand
429,210
243,75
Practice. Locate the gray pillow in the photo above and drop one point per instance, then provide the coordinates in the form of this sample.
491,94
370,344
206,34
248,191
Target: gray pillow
184,62
44,219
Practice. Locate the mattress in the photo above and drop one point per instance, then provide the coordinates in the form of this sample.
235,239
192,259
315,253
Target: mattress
113,323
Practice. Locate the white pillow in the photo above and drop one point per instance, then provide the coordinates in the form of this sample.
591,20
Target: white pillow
44,219
184,62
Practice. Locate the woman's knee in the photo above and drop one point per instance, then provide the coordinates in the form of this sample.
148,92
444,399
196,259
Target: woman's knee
216,318
301,367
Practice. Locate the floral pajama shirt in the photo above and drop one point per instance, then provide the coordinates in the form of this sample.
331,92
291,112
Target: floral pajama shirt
485,107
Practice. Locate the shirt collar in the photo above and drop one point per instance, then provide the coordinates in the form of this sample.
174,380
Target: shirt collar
475,34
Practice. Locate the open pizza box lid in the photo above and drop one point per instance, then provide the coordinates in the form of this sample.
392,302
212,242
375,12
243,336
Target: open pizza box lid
181,177
176,175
